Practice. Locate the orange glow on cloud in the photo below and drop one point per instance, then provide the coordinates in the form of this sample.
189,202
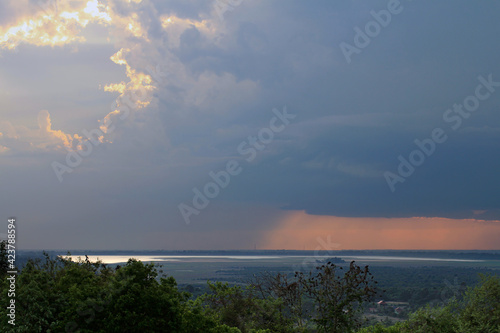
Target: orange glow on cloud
63,25
55,28
45,125
139,82
299,230
43,138
175,26
63,22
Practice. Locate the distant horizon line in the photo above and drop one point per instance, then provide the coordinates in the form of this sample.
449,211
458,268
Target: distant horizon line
247,250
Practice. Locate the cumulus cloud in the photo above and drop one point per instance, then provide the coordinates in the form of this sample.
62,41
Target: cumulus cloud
178,89
55,23
150,63
43,138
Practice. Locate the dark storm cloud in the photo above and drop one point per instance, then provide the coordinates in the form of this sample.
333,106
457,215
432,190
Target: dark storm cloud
352,121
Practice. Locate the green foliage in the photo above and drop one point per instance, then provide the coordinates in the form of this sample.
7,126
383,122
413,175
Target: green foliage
4,264
481,310
239,307
38,303
478,312
425,285
431,319
338,297
290,293
62,295
327,300
379,328
137,300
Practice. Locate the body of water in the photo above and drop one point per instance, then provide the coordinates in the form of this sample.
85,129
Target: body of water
115,259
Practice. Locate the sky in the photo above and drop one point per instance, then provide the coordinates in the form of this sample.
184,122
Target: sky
242,124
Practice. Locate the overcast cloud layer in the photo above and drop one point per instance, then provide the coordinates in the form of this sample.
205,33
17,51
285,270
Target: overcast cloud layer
170,91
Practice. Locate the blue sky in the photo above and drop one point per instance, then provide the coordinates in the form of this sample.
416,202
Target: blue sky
171,92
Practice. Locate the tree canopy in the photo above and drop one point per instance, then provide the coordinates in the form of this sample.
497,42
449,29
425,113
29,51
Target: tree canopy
58,294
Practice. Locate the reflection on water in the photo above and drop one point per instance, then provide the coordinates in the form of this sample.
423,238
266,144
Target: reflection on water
115,259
